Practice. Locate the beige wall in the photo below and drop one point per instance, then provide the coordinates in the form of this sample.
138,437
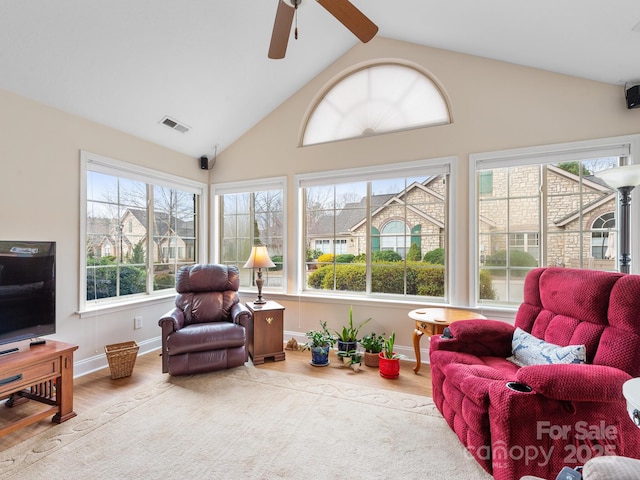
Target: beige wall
494,105
40,200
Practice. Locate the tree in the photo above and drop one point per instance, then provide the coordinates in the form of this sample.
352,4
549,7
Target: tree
137,254
574,167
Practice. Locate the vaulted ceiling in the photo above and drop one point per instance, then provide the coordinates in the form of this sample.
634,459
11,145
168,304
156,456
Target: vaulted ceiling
129,63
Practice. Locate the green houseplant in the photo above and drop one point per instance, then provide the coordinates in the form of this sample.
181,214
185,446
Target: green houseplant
348,336
373,345
320,342
389,360
352,358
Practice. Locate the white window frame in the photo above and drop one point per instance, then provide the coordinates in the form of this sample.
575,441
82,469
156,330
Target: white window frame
249,186
625,146
99,163
435,166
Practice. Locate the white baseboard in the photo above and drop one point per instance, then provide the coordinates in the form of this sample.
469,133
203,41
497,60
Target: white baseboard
98,362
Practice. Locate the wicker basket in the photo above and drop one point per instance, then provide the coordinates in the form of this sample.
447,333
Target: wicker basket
122,358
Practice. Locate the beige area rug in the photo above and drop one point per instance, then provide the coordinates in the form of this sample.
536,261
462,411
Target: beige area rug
248,423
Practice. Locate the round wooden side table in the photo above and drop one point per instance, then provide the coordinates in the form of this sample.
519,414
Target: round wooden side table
433,321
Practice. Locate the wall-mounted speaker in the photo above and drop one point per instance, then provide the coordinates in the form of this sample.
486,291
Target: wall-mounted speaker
204,163
633,96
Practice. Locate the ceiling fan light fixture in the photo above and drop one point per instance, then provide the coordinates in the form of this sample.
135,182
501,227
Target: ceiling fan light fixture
292,3
342,10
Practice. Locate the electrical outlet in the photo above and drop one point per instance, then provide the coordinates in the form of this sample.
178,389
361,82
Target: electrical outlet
137,323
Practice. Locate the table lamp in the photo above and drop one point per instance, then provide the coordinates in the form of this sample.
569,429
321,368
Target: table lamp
259,259
625,179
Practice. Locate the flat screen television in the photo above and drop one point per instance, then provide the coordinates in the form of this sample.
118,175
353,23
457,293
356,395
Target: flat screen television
27,290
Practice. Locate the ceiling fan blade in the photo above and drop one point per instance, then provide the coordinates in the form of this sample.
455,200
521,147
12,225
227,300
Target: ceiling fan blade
351,17
281,30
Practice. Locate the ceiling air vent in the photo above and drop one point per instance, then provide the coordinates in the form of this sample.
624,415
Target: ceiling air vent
175,125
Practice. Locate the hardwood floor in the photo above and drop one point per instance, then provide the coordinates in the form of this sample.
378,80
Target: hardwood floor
98,388
297,362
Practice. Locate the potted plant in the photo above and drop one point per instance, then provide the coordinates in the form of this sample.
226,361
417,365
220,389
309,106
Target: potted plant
389,360
372,344
352,359
320,342
348,337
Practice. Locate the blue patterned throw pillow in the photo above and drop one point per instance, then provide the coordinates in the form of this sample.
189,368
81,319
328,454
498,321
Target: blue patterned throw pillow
529,350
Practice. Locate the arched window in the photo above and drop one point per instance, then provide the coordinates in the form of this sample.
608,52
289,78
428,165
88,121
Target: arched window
378,99
394,236
603,242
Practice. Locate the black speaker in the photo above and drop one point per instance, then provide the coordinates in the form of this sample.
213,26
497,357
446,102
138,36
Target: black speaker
204,163
633,96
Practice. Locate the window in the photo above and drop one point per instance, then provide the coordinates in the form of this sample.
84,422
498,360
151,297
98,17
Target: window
252,213
379,225
544,209
139,227
377,99
394,237
603,244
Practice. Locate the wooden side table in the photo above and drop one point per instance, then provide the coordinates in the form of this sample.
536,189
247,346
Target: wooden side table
267,340
433,321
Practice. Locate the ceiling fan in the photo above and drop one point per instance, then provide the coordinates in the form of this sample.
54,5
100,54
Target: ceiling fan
343,10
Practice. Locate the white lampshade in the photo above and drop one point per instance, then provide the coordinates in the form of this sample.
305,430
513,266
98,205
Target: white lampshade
259,258
625,176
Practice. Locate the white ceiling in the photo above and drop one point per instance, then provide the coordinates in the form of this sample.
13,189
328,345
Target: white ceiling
128,63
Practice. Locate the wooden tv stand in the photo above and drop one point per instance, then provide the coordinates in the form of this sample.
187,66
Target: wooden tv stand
43,373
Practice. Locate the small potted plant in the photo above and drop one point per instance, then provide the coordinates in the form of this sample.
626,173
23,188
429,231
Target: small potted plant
348,336
389,360
352,359
372,344
320,342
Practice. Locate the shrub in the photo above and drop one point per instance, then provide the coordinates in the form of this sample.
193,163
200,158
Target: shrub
413,255
487,292
348,277
517,258
345,258
277,259
387,279
316,279
313,254
326,258
386,256
435,257
430,282
164,280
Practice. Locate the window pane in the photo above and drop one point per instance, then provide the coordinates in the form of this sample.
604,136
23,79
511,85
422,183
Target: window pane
400,226
119,262
251,218
556,215
377,99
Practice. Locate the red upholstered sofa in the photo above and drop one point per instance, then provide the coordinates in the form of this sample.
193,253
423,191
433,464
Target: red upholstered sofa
572,412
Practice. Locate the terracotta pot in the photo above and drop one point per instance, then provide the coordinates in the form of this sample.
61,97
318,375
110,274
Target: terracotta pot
389,367
371,359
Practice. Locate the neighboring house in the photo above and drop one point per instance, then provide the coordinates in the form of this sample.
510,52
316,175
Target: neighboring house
414,215
119,239
418,215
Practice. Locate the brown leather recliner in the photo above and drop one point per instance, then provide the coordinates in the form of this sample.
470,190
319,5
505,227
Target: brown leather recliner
209,328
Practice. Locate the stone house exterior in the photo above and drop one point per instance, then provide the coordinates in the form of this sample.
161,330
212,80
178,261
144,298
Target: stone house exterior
579,218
